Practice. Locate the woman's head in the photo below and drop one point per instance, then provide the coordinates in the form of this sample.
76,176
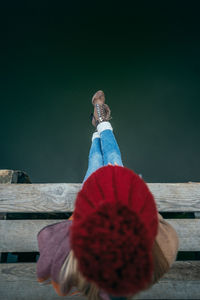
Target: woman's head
70,277
114,227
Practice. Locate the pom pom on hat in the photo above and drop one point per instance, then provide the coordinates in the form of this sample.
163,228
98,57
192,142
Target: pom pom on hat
114,227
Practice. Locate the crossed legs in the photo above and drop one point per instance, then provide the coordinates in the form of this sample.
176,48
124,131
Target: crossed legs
104,149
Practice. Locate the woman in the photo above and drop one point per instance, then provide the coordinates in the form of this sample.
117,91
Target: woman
115,244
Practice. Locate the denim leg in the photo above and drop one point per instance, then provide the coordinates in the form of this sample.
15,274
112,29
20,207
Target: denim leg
110,148
95,158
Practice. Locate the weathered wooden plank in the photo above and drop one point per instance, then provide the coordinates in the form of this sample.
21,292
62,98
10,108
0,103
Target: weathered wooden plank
172,290
59,197
176,196
31,291
181,282
18,282
188,233
21,235
180,270
38,197
164,290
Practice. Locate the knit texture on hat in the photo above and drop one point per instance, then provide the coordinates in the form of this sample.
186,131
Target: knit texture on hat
114,227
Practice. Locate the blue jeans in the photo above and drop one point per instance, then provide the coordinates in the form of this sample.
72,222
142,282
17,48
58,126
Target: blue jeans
103,151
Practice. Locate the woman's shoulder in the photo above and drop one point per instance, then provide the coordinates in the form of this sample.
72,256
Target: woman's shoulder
53,233
167,238
54,246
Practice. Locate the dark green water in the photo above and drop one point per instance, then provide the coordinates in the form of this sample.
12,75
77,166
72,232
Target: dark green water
146,59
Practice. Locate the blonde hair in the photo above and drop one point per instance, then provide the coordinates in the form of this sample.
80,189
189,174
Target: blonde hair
71,277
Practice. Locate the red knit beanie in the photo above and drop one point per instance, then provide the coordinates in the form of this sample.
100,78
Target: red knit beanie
114,227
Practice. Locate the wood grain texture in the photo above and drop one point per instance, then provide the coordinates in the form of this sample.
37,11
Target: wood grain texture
18,282
188,233
21,235
38,197
60,197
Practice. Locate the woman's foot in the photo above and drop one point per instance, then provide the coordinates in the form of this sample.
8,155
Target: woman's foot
101,110
98,98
